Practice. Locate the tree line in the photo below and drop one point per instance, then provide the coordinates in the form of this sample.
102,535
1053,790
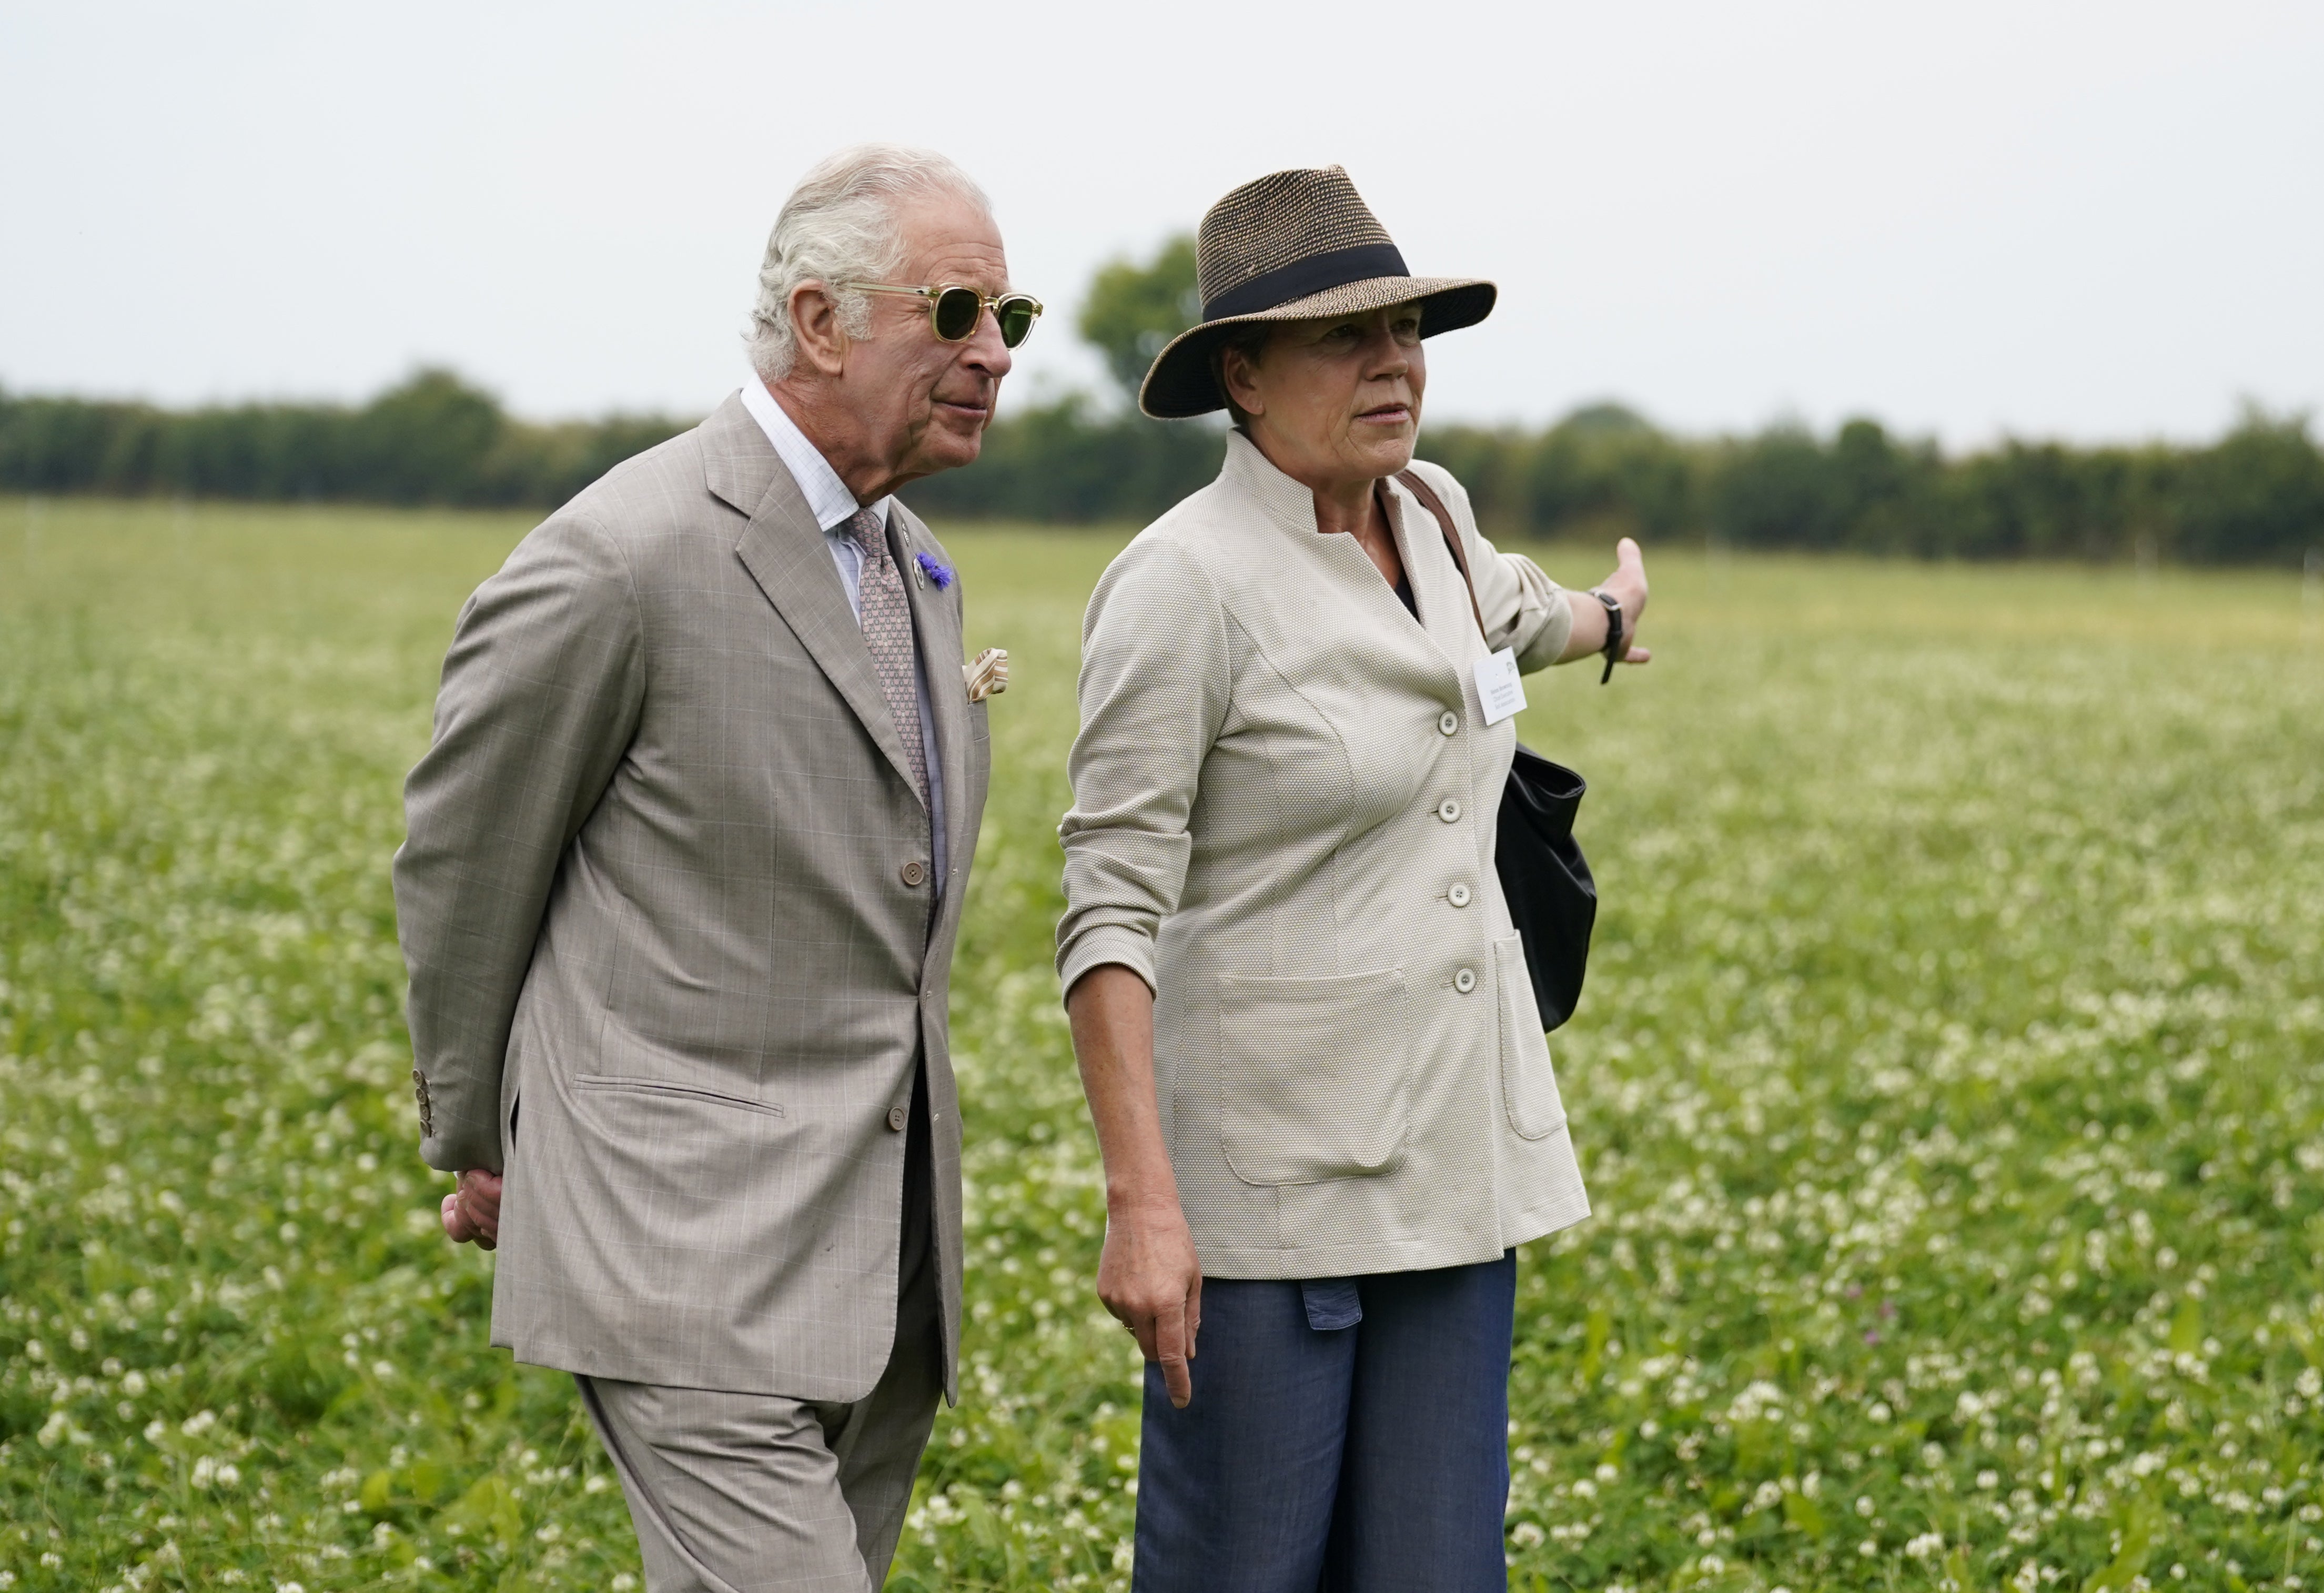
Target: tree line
2254,496
432,438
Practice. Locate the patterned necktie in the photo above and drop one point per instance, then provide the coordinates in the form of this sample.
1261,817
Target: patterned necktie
887,618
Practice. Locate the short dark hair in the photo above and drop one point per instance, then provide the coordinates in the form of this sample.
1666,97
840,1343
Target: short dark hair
1248,339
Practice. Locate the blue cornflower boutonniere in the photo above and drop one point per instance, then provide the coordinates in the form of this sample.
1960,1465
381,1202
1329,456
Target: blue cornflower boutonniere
935,569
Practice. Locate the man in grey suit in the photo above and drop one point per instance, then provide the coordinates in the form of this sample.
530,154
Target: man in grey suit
684,874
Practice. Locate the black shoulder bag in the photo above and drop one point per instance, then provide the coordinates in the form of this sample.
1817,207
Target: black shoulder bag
1552,898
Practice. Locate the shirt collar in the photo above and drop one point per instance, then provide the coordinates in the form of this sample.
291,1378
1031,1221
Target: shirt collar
827,497
1291,504
1285,501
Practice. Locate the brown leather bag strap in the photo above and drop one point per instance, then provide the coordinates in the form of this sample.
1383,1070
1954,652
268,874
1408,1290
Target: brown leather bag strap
1411,482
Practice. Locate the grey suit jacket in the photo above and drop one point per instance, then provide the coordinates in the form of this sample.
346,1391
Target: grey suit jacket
672,946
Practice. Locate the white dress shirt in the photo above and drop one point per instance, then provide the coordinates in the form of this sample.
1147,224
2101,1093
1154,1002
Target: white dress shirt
833,506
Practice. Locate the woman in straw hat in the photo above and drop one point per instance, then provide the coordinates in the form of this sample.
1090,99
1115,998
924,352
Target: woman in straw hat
1301,1012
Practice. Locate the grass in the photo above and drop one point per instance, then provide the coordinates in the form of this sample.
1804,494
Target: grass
1948,1085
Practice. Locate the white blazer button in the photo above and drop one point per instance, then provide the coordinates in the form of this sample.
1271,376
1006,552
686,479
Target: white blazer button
1465,981
897,1116
1460,894
1449,723
914,872
1448,811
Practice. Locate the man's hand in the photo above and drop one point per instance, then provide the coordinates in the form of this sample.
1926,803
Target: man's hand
472,1212
1148,1278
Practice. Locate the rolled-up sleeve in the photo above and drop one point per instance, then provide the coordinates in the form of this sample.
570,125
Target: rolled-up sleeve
1523,610
1157,678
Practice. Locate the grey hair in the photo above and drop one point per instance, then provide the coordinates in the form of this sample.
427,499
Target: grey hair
840,225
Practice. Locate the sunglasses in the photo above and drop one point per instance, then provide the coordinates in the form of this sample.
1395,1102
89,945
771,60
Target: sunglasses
953,311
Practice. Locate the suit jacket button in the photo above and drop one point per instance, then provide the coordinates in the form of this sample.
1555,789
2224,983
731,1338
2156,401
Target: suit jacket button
897,1118
914,872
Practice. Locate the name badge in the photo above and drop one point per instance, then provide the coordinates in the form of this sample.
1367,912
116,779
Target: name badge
1500,686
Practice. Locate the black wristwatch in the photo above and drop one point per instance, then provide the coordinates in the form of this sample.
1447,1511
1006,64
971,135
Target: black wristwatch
1613,649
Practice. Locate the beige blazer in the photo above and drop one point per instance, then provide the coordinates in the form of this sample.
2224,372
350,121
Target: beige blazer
673,951
1283,820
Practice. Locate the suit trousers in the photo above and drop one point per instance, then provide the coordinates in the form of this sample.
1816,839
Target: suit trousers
1346,1436
748,1493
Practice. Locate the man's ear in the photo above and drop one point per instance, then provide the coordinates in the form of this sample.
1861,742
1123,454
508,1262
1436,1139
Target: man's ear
823,342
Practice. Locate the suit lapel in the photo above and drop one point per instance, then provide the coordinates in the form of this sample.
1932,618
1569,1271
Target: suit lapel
784,552
936,629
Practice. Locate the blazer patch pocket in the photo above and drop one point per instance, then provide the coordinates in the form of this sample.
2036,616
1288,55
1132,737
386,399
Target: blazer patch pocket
1528,1079
1317,1075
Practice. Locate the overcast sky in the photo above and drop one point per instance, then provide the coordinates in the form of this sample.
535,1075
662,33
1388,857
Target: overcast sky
2093,221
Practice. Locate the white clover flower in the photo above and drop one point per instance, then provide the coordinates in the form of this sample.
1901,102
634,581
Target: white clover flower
1526,1536
1924,1545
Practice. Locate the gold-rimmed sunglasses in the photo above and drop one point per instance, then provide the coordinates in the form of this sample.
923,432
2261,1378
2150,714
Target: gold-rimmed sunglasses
954,310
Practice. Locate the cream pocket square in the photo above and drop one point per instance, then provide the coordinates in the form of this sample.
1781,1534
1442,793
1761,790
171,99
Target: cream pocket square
988,677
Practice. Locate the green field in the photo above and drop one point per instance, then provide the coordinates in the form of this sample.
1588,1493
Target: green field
1950,1082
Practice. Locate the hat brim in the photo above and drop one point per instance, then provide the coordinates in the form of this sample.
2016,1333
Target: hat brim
1179,384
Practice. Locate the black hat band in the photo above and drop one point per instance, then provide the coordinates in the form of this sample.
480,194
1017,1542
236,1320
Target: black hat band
1315,274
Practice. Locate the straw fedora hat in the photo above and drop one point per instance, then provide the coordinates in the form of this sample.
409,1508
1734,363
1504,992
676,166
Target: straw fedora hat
1286,247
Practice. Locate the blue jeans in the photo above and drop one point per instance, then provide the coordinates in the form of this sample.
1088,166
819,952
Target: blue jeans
1348,1435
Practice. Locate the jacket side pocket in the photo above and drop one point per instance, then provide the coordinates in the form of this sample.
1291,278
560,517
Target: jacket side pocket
1317,1076
1528,1079
622,1084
